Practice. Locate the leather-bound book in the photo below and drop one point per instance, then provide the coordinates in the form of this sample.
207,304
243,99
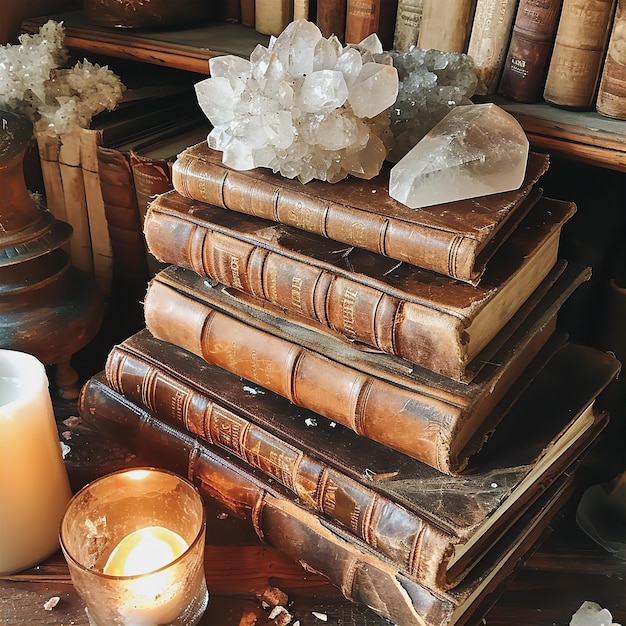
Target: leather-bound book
489,41
455,239
271,17
427,319
361,573
366,17
530,48
391,401
446,24
611,100
385,498
331,18
247,13
579,51
408,24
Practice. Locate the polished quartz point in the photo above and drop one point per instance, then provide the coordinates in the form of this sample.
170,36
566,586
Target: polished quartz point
475,150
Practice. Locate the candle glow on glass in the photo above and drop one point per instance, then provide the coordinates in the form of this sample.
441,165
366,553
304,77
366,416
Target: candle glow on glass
144,551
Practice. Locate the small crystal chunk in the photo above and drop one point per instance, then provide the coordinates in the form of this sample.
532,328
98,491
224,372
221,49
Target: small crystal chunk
475,150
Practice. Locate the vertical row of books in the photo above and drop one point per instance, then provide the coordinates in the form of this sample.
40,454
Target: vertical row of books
566,52
383,393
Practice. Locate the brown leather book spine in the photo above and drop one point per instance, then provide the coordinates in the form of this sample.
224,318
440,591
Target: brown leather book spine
357,311
331,18
611,100
247,13
489,40
446,24
414,545
579,50
122,213
362,574
151,177
415,424
530,48
215,184
365,17
408,24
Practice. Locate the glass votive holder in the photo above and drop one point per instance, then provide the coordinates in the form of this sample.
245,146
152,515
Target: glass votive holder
134,544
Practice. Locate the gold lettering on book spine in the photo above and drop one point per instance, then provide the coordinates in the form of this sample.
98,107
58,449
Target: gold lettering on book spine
347,308
296,293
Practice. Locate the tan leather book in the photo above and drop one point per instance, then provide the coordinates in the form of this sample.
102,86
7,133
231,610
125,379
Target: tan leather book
377,494
456,239
408,24
271,17
611,100
579,51
429,320
489,41
361,573
365,17
407,408
446,24
530,48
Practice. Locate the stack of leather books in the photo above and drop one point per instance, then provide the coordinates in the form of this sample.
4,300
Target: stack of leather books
383,392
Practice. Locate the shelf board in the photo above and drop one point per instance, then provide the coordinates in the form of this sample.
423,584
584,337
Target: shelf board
584,136
186,49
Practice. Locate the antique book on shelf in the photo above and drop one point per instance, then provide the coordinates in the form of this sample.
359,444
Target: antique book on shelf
530,48
455,239
611,99
489,41
382,496
360,572
272,16
365,17
408,22
446,24
579,51
409,409
300,9
331,18
430,320
247,13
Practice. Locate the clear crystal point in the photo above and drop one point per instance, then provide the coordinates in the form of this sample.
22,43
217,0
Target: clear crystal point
475,150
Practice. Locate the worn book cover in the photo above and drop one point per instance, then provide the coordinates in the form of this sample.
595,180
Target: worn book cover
381,496
407,408
456,239
360,572
432,321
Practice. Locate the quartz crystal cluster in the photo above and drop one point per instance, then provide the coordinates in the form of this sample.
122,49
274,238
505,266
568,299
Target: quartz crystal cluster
431,84
35,83
475,150
304,106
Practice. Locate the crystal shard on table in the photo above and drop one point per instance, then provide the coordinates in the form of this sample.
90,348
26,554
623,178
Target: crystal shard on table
475,150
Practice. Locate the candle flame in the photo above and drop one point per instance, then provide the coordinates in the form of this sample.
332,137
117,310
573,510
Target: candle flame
145,550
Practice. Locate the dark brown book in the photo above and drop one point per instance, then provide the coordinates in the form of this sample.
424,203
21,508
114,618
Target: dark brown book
361,573
456,239
402,406
247,13
381,496
367,17
432,321
579,51
331,18
530,48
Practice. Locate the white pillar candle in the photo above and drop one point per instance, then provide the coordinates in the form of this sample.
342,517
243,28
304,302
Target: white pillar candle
34,487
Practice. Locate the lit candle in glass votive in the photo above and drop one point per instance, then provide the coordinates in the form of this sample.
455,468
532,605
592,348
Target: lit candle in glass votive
34,487
134,543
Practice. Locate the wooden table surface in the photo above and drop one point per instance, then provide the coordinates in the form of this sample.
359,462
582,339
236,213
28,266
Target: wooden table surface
567,570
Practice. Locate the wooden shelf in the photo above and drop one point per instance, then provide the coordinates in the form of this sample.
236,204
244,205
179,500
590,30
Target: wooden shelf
584,136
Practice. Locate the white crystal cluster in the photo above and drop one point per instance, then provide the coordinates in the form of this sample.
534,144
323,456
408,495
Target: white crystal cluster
34,82
431,84
304,106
